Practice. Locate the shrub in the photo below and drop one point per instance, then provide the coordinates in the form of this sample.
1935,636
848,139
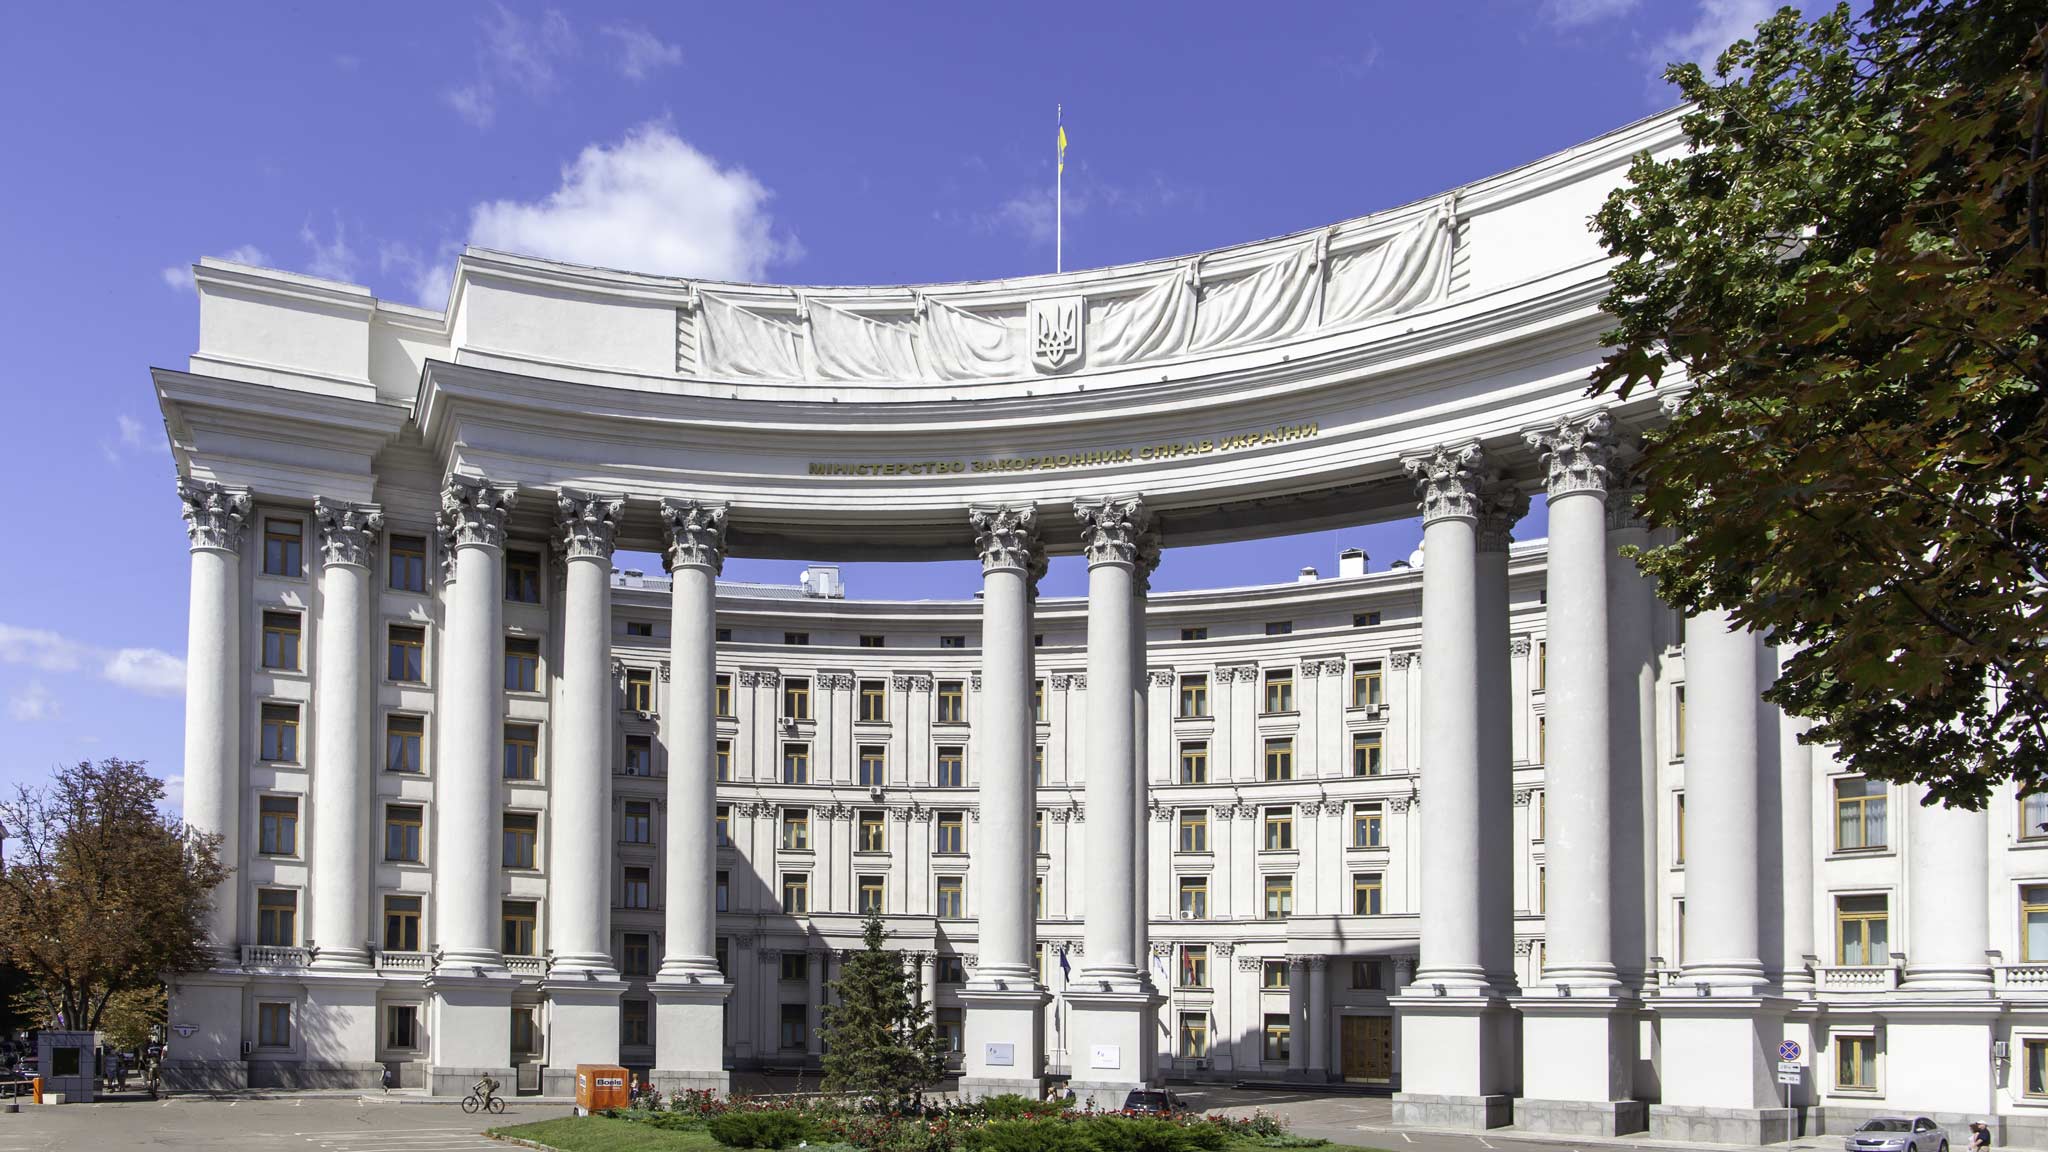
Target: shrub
1026,1135
1011,1106
1145,1134
761,1129
701,1102
1264,1123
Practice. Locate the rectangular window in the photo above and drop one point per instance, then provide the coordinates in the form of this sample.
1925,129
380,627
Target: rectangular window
2034,924
952,833
1368,825
874,766
721,694
1038,763
281,733
2034,816
1542,663
1367,976
1542,738
721,898
1367,754
405,654
274,1025
522,751
1194,829
638,888
633,1022
402,823
1860,814
640,628
952,702
283,547
1678,827
1194,634
522,664
951,970
1194,897
952,641
1856,1062
639,756
1279,897
871,640
722,636
952,767
525,1032
871,895
1279,829
1678,722
518,922
2036,1053
1279,627
722,825
952,1029
1278,1037
407,571
796,763
522,576
795,1028
874,701
1194,695
401,1026
1194,1035
1038,832
874,831
951,898
1274,974
1279,690
1194,762
1280,758
278,826
795,966
1862,926
636,954
401,923
639,689
281,641
637,827
1038,701
522,832
796,829
1194,965
1365,685
402,742
1366,894
1539,814
1038,911
796,639
277,917
1365,619
796,698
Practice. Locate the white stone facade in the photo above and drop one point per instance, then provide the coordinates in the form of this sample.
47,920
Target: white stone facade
470,765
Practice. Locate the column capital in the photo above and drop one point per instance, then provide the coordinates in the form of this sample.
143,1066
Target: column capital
348,532
1501,507
473,513
1450,479
1007,537
1624,490
587,521
214,514
1112,528
696,534
1145,561
1577,452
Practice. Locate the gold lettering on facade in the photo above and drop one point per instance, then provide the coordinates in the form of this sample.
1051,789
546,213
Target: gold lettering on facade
1054,460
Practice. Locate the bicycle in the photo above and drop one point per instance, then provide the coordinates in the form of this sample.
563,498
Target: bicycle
485,1097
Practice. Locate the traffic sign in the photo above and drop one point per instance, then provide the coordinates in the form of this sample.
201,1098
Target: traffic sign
1788,1077
1790,1066
1790,1050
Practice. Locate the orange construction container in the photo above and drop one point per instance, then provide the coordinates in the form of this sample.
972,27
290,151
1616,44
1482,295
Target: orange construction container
601,1086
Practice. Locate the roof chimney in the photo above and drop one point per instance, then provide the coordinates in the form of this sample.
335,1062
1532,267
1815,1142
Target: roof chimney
822,581
1351,562
1308,576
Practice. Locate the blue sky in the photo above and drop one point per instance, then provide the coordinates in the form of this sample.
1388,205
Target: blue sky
828,143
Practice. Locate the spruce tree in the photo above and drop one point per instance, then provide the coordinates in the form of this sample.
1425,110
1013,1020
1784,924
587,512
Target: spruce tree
878,1039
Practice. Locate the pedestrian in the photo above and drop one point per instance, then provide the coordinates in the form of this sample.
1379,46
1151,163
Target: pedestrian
1980,1136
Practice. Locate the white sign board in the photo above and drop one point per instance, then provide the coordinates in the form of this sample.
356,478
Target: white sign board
1106,1056
1790,1066
999,1055
1788,1077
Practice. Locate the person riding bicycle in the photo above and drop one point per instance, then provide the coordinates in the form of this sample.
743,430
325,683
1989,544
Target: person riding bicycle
486,1088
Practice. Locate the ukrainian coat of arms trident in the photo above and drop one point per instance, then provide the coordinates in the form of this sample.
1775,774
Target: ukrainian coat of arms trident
1055,327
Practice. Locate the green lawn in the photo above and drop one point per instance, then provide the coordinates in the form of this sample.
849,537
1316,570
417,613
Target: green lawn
602,1134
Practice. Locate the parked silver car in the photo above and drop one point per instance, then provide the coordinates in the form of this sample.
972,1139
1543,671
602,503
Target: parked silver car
1896,1134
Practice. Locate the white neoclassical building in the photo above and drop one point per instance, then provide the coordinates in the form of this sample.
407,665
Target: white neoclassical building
511,779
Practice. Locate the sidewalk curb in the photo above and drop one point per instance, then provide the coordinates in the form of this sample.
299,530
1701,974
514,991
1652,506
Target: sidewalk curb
1573,1140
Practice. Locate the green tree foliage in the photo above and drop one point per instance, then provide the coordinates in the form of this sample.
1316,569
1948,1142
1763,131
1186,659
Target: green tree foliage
1846,263
879,1040
101,892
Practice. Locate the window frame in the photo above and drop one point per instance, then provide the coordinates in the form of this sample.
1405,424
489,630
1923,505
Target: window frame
291,547
277,818
411,648
522,665
521,753
873,696
407,922
1368,824
279,722
1880,799
949,702
1280,885
1194,761
1193,830
949,897
1370,890
523,570
1277,758
277,920
1194,696
1368,754
519,929
796,698
416,839
1277,695
287,628
1863,920
400,553
1193,890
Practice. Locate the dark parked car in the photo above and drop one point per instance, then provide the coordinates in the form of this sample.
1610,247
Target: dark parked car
1896,1134
1154,1102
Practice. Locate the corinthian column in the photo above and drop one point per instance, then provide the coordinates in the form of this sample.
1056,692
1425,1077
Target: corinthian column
342,763
214,518
1004,999
1456,1030
471,1031
689,991
1111,1002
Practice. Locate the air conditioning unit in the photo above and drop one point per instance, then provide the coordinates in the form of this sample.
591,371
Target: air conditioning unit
875,793
788,724
645,715
1201,1065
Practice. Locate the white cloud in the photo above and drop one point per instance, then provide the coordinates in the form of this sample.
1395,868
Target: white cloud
330,259
1572,13
33,703
131,430
178,277
650,203
641,52
1718,24
517,51
475,103
174,794
150,671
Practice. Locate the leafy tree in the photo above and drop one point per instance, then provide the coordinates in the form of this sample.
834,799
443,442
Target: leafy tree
878,1039
1846,262
101,893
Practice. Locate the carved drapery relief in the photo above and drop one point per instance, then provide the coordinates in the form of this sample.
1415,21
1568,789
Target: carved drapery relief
1111,528
696,534
348,532
586,523
472,513
1576,452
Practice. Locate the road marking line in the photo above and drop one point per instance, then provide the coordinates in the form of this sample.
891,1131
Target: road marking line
1407,1137
1482,1141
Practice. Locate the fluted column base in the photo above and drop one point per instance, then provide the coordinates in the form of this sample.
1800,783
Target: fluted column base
1110,1044
1005,1038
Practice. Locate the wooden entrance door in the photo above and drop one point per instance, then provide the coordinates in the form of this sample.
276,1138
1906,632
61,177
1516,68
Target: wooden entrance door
1368,1049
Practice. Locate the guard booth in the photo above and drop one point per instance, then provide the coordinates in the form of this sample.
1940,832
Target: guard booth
69,1062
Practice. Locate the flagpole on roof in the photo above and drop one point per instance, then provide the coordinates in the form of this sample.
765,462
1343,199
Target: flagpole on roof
1059,203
